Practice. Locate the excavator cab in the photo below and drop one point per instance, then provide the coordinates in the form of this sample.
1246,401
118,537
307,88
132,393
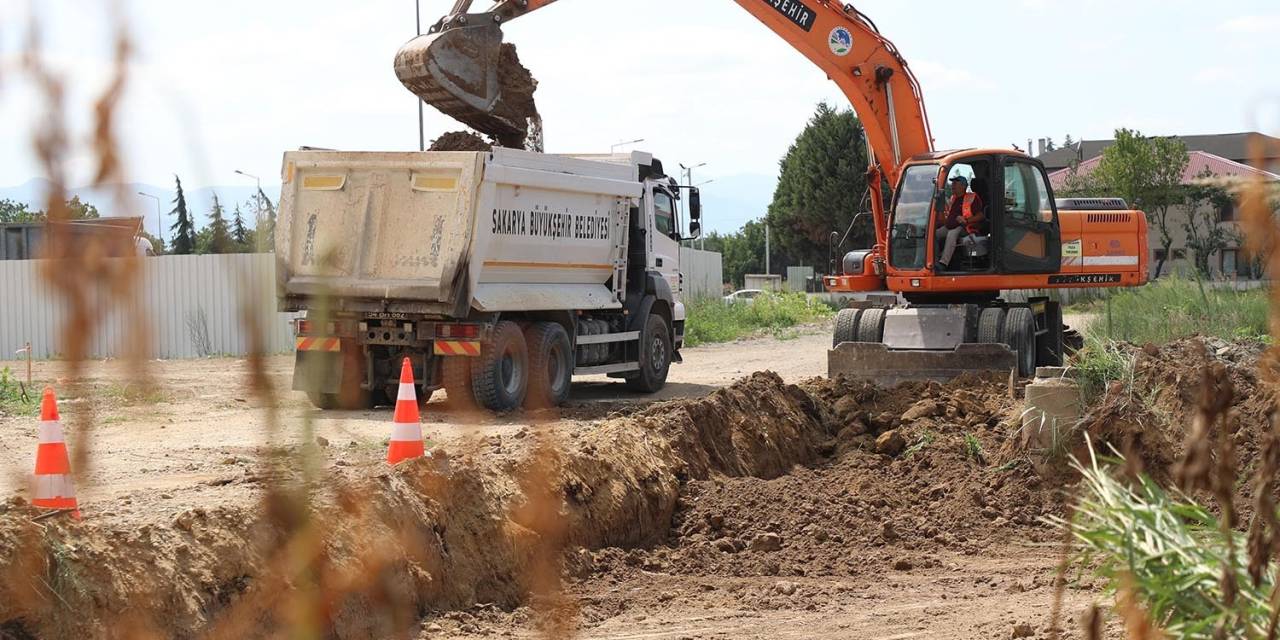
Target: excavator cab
1020,235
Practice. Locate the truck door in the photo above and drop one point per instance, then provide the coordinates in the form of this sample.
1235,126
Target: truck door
1026,229
664,237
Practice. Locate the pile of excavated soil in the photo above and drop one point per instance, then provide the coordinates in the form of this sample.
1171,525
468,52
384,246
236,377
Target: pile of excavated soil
906,473
762,478
460,141
1152,417
430,535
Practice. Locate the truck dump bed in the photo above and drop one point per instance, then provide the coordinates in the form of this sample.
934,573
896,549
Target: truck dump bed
448,232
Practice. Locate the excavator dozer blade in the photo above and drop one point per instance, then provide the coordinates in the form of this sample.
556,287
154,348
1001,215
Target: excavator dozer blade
878,363
460,72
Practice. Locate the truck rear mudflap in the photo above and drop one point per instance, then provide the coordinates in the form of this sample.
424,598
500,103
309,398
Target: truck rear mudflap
877,363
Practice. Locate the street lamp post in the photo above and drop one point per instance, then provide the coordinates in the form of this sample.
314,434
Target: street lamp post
159,220
613,148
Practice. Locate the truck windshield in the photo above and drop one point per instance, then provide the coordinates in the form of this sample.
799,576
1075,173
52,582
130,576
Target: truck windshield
908,237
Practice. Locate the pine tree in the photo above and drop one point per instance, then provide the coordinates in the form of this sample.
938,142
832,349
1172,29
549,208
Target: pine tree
1068,142
219,234
821,186
184,232
239,233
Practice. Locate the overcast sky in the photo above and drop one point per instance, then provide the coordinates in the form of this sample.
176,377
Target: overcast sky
219,86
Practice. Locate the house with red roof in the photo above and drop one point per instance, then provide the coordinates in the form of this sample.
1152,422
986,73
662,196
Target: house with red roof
1254,156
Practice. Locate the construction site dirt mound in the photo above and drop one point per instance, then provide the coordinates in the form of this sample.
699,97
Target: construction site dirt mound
905,473
761,478
1151,415
430,535
460,141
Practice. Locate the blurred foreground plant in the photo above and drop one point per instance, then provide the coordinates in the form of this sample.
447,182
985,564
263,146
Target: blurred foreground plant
1161,549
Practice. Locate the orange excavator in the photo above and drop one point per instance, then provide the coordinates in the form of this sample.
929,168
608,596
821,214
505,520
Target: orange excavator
928,315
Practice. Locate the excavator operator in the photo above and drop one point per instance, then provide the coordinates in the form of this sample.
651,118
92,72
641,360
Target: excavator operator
965,215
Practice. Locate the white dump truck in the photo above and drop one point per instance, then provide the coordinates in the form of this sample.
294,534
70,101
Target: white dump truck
499,274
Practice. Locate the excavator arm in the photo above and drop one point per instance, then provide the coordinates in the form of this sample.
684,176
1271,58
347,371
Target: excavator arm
459,68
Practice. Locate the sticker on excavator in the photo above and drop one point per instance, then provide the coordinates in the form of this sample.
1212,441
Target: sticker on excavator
877,363
318,344
465,348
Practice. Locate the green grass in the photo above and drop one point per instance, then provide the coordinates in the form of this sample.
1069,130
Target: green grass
1170,551
1100,362
11,400
711,320
1173,307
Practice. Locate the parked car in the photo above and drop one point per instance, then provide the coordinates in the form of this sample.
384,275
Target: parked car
743,295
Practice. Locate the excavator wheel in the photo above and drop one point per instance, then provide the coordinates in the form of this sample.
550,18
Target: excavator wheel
1020,335
991,325
871,326
846,326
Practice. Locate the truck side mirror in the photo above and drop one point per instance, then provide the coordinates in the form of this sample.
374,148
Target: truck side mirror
695,230
695,205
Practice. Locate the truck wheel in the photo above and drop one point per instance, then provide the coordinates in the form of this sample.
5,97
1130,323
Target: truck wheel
500,376
1020,335
655,356
871,326
991,326
323,401
846,326
350,397
455,377
550,365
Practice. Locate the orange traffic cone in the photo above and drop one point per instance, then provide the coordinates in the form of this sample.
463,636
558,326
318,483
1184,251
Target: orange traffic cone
54,488
406,432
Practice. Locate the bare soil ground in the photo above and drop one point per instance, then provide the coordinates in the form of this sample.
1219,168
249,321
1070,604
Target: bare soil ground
762,509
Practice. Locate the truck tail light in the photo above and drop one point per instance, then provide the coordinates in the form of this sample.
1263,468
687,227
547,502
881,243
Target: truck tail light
302,327
458,331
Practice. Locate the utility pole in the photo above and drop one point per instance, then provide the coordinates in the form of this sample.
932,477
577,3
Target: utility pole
257,205
159,221
767,272
422,137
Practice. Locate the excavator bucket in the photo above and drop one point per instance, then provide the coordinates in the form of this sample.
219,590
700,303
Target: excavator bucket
468,74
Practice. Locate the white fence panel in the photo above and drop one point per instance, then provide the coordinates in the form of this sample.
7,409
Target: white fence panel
191,306
703,273
183,307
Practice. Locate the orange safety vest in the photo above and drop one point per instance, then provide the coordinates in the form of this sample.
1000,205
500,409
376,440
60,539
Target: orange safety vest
966,211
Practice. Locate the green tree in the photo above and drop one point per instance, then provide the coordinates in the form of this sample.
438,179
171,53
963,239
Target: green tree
184,232
13,212
1147,172
1206,235
821,183
219,236
77,210
239,233
265,225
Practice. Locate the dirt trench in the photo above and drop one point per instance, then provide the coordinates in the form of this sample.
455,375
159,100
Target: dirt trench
431,535
757,480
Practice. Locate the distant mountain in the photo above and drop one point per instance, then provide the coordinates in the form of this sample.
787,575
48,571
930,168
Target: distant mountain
199,201
731,201
727,203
